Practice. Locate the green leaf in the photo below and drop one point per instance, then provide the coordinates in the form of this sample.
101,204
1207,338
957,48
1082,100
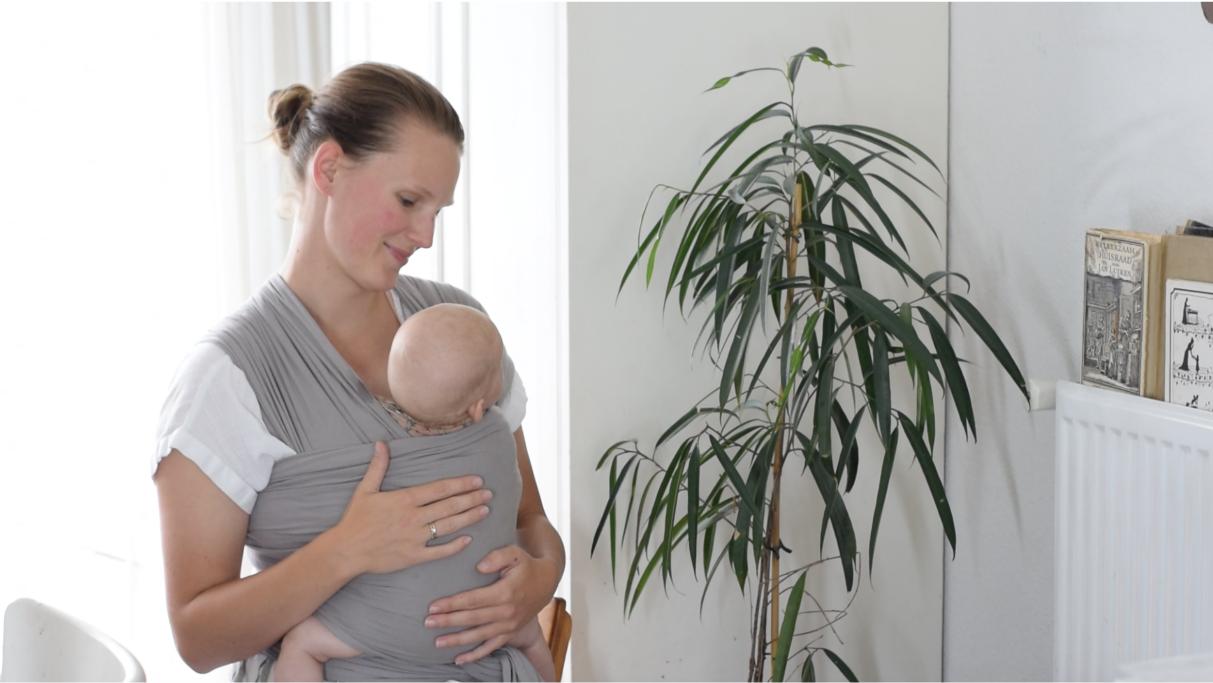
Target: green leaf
836,512
609,512
693,503
806,670
613,525
660,500
909,202
780,338
852,131
890,321
734,364
903,143
788,629
850,448
730,139
636,257
991,339
824,405
607,453
686,419
740,559
673,206
886,471
732,473
881,411
724,81
842,666
951,368
670,508
927,464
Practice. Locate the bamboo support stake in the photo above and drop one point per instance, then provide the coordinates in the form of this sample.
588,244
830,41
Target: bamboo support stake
775,544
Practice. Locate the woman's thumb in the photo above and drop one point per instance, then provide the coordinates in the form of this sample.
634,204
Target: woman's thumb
373,478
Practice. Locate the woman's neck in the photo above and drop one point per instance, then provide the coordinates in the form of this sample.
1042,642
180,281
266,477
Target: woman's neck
339,305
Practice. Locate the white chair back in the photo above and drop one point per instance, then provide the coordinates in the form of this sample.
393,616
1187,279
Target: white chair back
43,644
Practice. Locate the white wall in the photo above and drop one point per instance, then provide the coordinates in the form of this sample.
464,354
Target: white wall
1063,117
637,118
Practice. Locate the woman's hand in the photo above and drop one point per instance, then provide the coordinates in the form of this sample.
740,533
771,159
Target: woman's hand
493,613
386,531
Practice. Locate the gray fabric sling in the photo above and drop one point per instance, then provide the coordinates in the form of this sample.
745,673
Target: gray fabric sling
314,402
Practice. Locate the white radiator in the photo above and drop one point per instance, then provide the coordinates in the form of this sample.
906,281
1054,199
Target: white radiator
1134,532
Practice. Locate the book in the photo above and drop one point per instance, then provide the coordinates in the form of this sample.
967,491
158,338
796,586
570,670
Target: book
1189,339
1195,228
1122,312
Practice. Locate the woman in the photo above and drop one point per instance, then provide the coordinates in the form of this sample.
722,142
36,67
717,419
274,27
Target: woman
376,154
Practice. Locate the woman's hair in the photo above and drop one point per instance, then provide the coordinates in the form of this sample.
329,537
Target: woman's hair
361,109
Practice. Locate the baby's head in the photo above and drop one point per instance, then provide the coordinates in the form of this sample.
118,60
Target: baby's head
445,365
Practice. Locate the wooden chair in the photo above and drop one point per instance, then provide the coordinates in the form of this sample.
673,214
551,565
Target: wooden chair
557,627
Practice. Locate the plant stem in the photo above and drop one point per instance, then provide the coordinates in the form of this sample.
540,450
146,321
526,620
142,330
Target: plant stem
773,547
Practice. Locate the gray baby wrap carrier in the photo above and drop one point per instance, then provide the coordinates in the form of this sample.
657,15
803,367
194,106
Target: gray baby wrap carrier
313,401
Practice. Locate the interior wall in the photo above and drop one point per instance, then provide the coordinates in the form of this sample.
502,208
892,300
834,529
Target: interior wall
638,117
1064,117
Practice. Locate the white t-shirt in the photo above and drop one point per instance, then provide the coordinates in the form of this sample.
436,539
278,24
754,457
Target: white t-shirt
211,416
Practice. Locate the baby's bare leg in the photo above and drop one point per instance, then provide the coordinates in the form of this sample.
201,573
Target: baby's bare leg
530,641
304,651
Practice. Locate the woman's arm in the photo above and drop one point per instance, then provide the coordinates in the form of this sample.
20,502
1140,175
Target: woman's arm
218,617
530,573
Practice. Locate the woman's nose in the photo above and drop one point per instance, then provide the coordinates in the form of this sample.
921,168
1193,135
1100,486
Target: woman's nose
422,232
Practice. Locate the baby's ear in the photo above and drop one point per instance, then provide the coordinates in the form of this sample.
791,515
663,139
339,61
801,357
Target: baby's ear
476,411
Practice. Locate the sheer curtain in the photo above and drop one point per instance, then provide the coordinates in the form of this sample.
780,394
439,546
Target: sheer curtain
112,267
142,204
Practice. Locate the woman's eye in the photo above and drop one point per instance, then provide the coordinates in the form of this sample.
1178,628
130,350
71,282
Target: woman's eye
406,202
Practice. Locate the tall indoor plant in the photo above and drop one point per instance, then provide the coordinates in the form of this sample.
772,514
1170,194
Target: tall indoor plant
777,239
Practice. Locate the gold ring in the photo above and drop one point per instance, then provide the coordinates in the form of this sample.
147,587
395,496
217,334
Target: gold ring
433,531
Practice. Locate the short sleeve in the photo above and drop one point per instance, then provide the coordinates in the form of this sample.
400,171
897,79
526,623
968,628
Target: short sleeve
212,417
513,404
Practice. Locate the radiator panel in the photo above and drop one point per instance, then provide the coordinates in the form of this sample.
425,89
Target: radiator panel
1134,523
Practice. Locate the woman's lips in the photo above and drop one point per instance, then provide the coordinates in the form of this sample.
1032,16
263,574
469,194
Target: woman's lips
400,256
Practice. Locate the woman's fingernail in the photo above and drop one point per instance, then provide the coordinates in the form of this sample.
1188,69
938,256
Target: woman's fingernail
429,623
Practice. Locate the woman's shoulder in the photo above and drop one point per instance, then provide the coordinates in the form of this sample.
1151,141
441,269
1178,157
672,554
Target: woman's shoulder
416,293
206,365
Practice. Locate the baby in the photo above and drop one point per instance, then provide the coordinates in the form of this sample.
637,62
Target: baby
444,372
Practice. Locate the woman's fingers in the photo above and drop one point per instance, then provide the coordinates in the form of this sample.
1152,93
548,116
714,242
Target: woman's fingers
471,617
472,635
425,494
441,550
456,504
373,479
480,597
500,560
453,523
484,650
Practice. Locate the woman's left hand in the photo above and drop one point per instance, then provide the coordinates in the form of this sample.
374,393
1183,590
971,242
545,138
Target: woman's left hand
493,613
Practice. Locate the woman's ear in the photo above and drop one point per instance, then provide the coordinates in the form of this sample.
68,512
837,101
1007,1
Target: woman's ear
324,166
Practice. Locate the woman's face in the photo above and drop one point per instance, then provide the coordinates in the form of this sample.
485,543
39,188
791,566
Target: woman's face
383,208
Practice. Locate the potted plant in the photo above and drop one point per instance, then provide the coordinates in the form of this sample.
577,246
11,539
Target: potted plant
768,258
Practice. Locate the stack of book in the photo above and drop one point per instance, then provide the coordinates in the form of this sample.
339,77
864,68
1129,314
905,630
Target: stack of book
1148,313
